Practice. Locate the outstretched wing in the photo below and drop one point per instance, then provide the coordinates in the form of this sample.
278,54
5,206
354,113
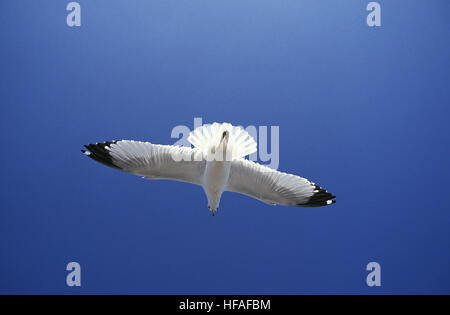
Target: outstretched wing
150,160
274,187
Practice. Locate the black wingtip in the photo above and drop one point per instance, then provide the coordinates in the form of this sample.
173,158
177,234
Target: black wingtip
320,198
99,153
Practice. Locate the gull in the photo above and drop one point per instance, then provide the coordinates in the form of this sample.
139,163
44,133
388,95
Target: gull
216,162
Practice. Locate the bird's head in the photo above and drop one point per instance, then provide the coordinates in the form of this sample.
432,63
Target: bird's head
212,209
213,201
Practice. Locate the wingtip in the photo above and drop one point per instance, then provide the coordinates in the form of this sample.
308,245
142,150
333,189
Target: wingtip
100,153
320,198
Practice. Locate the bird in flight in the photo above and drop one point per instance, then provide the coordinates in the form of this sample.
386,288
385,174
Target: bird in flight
216,162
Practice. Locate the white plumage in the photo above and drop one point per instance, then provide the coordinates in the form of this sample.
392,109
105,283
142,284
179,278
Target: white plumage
216,163
240,143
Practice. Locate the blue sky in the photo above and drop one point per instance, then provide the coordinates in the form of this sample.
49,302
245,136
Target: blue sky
362,111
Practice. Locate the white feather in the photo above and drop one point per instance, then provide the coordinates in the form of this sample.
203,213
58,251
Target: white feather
207,137
190,165
268,185
158,161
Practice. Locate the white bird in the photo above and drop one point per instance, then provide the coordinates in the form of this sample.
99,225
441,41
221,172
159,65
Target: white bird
217,163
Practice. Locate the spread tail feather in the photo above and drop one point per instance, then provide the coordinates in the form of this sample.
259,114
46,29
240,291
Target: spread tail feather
206,138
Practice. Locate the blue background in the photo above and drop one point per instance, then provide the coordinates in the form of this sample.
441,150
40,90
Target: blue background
362,111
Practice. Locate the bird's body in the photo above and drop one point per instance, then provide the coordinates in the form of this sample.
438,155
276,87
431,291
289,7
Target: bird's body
216,163
215,181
